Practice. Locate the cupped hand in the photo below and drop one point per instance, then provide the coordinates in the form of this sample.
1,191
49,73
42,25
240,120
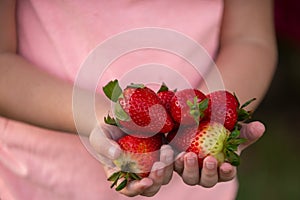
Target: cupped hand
103,140
186,164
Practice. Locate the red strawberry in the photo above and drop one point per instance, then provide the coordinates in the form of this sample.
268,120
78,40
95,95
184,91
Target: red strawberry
223,107
139,155
209,138
187,106
165,95
138,109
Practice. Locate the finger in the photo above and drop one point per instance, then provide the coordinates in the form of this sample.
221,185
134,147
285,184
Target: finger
252,132
9,161
209,173
190,174
112,132
226,172
105,161
103,145
136,187
179,163
157,176
167,157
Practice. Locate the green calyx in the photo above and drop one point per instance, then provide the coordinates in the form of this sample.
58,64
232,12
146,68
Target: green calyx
231,146
110,120
197,109
126,176
125,173
134,85
120,114
113,90
163,88
244,115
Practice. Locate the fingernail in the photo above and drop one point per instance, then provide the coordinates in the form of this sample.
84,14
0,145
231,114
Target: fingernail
169,159
191,161
146,182
160,172
226,171
210,165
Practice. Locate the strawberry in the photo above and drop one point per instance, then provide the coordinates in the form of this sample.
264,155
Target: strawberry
139,155
165,95
208,138
187,106
138,109
224,107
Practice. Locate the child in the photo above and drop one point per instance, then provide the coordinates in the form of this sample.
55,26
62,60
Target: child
42,45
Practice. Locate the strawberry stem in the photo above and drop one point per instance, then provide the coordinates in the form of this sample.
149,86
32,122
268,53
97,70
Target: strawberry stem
197,109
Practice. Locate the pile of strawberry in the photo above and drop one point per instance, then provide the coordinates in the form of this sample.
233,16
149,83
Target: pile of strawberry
187,119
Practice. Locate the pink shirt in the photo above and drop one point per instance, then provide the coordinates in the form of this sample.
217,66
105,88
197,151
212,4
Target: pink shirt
57,36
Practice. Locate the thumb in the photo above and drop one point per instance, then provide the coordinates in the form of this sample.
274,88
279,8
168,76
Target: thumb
252,132
103,145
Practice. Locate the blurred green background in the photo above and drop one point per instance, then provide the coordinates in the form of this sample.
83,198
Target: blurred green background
270,168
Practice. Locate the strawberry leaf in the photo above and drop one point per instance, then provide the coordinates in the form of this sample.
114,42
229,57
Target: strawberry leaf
237,141
234,134
113,90
163,88
232,157
234,143
115,177
194,111
135,85
122,185
243,115
120,113
134,176
203,106
110,120
247,103
197,109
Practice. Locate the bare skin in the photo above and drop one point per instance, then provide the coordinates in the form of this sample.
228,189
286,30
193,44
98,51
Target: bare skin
247,52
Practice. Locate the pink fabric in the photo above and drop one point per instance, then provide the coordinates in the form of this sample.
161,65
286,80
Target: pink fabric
57,36
55,48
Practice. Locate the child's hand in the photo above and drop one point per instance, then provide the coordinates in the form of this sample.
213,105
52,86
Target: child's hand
186,164
108,150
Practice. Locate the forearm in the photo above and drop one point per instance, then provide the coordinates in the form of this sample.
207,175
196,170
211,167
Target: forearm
247,68
248,54
33,96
